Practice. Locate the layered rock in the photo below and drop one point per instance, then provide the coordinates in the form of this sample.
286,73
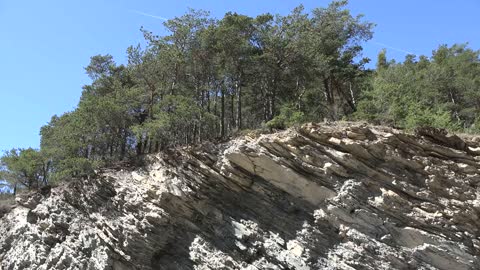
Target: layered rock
342,196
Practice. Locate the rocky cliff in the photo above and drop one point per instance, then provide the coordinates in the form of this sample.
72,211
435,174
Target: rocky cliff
343,196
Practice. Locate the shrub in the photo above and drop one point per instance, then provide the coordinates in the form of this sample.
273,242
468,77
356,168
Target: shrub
288,117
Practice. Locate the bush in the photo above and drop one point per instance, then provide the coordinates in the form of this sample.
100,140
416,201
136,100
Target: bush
418,117
74,168
288,117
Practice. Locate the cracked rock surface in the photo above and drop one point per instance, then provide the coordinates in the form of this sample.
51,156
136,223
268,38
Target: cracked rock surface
322,196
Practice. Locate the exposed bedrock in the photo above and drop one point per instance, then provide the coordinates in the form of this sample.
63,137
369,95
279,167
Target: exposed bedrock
339,196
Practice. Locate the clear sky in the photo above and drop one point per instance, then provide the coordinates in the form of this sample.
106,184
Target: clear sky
44,45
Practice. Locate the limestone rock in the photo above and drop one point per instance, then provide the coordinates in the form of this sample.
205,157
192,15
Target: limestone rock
330,196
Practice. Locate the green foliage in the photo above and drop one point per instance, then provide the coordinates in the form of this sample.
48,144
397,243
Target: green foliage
24,167
74,167
440,91
382,59
418,117
288,117
208,79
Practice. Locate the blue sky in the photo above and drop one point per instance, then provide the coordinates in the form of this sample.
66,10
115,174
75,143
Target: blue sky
44,45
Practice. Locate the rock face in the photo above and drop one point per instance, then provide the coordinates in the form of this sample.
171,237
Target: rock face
342,196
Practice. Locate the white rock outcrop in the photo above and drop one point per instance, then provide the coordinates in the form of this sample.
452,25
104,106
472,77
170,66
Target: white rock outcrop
339,196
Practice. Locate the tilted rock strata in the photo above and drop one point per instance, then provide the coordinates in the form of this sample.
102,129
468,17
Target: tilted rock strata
344,196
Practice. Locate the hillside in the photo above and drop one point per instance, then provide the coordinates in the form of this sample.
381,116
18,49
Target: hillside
322,196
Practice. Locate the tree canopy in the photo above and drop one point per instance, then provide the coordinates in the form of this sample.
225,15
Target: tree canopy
209,78
441,91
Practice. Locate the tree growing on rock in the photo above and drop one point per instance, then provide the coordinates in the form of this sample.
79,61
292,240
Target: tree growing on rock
25,168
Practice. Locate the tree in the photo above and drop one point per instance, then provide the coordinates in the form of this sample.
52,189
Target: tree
336,38
69,143
440,91
382,59
207,78
25,167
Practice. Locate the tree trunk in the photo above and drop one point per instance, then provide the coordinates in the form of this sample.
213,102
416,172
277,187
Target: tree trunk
272,103
111,147
232,111
46,167
150,144
222,118
124,144
239,106
215,105
264,102
194,133
330,99
157,146
139,146
208,100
